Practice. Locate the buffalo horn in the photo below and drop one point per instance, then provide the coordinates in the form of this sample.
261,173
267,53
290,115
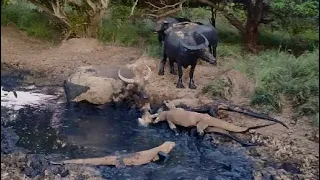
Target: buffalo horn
126,80
149,73
197,47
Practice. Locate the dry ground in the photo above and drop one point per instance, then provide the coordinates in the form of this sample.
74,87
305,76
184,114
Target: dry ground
297,145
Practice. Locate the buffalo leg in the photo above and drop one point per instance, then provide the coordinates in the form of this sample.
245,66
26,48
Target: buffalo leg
180,84
210,49
191,83
172,71
162,64
214,51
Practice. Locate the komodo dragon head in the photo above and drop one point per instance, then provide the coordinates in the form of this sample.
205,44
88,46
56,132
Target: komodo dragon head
167,146
161,116
169,104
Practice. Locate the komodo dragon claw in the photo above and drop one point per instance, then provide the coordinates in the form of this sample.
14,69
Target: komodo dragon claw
163,157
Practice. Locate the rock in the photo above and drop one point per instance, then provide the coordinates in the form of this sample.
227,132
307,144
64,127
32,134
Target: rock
95,84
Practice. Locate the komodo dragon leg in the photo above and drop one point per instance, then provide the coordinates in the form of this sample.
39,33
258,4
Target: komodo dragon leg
173,127
229,135
163,157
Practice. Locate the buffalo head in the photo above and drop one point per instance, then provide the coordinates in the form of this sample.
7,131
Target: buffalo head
137,85
163,24
196,43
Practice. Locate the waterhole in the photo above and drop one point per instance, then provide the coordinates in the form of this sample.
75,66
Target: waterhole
45,124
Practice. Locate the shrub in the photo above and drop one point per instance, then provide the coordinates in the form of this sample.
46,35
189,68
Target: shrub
30,20
219,88
279,73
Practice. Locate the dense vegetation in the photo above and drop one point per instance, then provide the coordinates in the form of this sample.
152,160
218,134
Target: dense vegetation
286,68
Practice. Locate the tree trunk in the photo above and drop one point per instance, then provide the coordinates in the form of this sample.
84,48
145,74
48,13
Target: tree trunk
251,36
95,22
213,17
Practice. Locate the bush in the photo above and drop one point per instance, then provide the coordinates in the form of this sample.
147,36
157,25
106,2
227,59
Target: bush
30,20
279,73
219,88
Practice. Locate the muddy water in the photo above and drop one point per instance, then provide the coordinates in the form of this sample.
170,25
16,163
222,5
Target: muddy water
51,126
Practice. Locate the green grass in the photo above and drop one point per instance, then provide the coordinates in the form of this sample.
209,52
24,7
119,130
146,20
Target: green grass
27,19
219,88
280,74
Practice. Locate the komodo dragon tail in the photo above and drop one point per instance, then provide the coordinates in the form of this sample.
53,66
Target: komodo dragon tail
223,132
213,111
259,126
235,108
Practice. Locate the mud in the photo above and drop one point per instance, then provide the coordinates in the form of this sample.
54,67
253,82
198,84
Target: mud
31,137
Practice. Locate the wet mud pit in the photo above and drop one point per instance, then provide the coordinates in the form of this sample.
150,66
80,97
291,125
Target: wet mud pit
32,135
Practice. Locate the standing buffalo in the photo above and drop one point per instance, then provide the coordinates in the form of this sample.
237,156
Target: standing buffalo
184,46
207,30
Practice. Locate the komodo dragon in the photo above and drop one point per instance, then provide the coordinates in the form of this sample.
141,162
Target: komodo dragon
132,159
178,116
213,106
146,117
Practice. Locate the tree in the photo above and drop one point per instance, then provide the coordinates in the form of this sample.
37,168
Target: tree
256,13
82,18
262,11
296,16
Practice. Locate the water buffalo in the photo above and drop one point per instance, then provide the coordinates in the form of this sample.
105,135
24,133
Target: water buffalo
101,84
184,47
207,30
165,23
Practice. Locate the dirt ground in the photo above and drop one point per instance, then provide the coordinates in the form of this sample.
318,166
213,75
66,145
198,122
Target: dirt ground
296,147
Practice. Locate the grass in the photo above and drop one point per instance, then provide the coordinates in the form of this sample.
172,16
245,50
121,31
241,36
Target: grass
29,20
279,74
219,88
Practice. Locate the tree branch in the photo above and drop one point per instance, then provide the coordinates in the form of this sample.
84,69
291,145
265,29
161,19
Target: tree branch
133,7
92,5
166,10
74,2
230,17
105,4
53,12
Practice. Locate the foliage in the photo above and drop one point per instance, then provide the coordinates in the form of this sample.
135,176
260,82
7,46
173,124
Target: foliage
31,21
219,88
296,16
80,18
4,3
280,74
297,8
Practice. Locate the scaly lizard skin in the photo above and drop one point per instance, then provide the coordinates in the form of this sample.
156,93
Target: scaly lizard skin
131,159
178,116
213,106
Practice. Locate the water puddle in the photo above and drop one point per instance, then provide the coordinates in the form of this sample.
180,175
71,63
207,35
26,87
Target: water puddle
47,125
